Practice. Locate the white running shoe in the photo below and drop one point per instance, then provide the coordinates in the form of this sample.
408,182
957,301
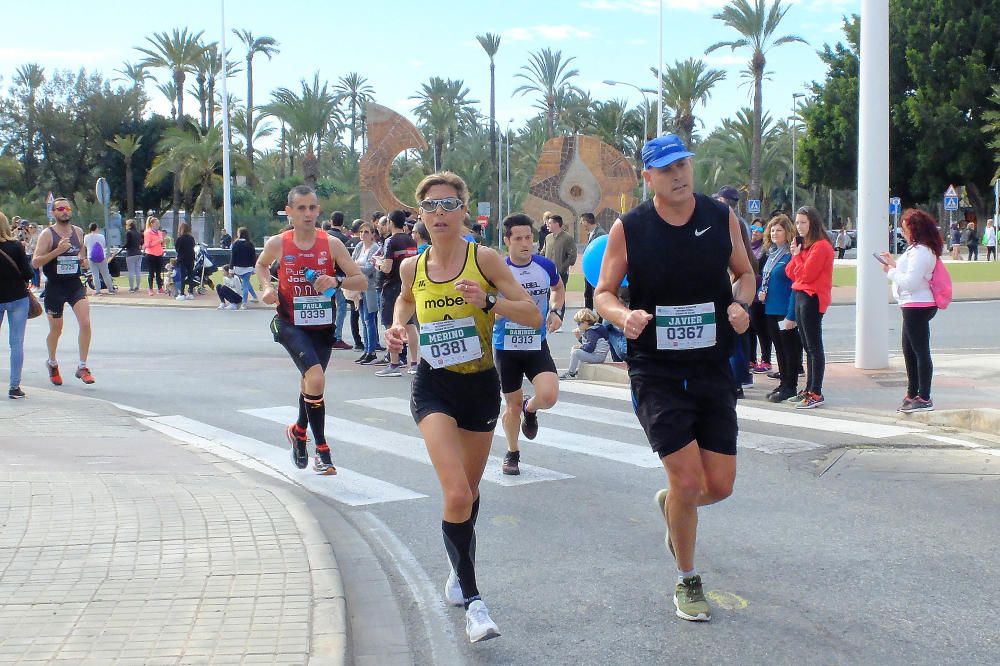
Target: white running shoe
189,297
222,306
478,624
453,589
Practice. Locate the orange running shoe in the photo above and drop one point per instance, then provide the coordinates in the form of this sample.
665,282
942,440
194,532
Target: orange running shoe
54,376
84,374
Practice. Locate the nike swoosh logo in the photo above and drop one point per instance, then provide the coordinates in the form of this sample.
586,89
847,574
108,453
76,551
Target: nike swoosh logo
699,232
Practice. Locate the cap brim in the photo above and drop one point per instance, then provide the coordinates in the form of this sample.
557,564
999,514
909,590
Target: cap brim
667,160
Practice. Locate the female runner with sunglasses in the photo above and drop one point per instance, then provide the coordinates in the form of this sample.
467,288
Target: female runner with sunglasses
455,400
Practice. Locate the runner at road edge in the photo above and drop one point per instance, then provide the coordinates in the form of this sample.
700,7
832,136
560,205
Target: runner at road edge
524,352
304,323
455,399
677,250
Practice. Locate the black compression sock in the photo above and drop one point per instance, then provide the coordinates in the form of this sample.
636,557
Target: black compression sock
303,419
316,411
472,519
458,542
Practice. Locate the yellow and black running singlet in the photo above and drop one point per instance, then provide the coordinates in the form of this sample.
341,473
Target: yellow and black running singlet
454,335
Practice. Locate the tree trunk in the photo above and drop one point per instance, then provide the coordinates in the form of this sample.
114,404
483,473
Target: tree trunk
758,103
211,104
310,168
250,111
550,121
129,189
179,84
281,169
354,123
201,100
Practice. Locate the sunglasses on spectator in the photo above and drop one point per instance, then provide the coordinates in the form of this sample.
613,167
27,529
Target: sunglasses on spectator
448,204
62,208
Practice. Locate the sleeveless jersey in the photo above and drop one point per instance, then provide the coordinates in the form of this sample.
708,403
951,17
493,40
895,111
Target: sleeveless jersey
66,266
680,276
454,335
298,302
537,277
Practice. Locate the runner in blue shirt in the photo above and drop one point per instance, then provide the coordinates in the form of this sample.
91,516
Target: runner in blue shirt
524,352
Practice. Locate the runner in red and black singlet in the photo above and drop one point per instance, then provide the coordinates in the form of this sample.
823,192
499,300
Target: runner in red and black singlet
304,323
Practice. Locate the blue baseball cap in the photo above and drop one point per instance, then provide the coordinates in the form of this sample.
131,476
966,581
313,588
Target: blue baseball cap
664,150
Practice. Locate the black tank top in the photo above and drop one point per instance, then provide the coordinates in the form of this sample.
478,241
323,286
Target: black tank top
66,266
672,267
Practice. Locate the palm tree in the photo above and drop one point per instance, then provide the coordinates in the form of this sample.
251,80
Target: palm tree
491,44
756,23
309,116
178,52
609,120
267,46
445,111
169,91
686,84
136,75
356,90
546,74
30,77
991,125
574,111
127,146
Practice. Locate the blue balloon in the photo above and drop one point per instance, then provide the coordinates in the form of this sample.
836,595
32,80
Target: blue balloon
593,256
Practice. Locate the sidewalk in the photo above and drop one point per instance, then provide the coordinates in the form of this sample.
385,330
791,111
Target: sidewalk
121,545
965,390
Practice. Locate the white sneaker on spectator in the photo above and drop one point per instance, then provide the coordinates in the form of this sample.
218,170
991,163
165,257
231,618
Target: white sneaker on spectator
189,297
234,306
222,306
178,297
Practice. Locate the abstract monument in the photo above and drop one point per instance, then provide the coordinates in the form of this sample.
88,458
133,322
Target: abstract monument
389,134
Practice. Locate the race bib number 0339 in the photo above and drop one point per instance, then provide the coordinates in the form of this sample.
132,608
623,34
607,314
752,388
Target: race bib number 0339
685,326
449,342
312,311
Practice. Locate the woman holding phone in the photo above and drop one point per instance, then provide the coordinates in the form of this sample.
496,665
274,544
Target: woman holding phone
811,272
911,285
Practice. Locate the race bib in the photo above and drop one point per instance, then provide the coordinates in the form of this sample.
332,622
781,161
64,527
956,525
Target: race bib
450,342
519,338
685,326
67,265
312,311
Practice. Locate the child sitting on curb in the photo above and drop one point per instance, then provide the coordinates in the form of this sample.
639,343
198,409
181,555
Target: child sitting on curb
594,345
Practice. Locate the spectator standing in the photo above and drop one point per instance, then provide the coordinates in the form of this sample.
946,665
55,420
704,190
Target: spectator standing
594,344
911,285
226,240
779,306
398,247
353,239
843,240
97,253
242,259
972,241
560,249
152,246
15,274
956,241
990,240
229,292
759,335
811,271
184,244
730,196
32,241
364,253
133,256
543,231
594,231
337,231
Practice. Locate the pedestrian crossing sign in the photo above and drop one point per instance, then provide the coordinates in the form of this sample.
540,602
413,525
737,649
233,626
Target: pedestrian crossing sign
753,206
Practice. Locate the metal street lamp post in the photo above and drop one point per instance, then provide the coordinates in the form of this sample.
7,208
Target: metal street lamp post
227,186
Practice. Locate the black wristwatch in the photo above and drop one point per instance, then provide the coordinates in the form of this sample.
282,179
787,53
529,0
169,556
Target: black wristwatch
743,305
339,280
491,301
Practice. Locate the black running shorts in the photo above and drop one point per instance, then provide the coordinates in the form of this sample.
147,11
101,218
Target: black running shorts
678,403
472,399
306,346
513,366
59,293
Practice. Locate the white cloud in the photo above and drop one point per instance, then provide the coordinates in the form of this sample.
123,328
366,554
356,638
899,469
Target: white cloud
552,33
61,58
719,59
652,6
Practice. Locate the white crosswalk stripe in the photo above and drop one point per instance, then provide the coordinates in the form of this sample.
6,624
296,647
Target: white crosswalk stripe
403,446
347,487
639,455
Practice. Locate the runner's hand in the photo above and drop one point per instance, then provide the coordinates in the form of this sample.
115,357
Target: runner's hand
324,282
471,292
63,245
739,318
269,297
395,338
553,322
635,323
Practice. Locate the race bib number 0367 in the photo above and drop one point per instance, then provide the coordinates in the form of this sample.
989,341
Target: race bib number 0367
685,326
449,342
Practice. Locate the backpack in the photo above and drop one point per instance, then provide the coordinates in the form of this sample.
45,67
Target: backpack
941,285
97,253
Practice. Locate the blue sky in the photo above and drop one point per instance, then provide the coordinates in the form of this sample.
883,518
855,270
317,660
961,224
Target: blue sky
398,45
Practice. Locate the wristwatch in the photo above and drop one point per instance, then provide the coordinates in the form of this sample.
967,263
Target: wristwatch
339,280
491,301
743,305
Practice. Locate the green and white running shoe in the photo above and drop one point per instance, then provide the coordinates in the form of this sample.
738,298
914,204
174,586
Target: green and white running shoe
689,599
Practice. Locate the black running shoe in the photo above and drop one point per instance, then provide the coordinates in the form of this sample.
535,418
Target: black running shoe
529,421
510,462
15,393
323,464
300,456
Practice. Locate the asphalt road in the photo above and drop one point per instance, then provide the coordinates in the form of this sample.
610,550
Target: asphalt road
851,543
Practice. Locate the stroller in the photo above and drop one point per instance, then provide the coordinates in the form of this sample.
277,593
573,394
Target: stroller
203,269
113,269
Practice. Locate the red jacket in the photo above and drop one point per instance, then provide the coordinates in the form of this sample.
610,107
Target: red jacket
811,271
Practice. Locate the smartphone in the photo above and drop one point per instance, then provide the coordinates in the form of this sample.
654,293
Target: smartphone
800,241
879,259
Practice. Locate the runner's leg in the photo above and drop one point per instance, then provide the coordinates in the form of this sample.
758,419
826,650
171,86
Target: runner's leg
52,340
511,417
546,391
82,311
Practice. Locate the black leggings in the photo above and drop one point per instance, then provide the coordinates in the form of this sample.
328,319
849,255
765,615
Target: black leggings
759,333
154,266
187,276
810,325
973,252
991,251
788,350
917,350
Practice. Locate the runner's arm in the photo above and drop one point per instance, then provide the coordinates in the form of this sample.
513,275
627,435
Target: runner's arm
42,250
613,269
557,299
270,253
353,278
405,308
516,304
745,283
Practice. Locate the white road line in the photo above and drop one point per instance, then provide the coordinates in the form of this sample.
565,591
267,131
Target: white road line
954,441
403,446
347,487
134,410
599,447
794,419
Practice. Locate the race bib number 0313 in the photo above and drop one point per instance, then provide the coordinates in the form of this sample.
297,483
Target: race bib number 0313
312,311
519,338
449,342
685,326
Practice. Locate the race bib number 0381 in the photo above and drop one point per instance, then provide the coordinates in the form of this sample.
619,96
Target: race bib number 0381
685,326
449,342
312,311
